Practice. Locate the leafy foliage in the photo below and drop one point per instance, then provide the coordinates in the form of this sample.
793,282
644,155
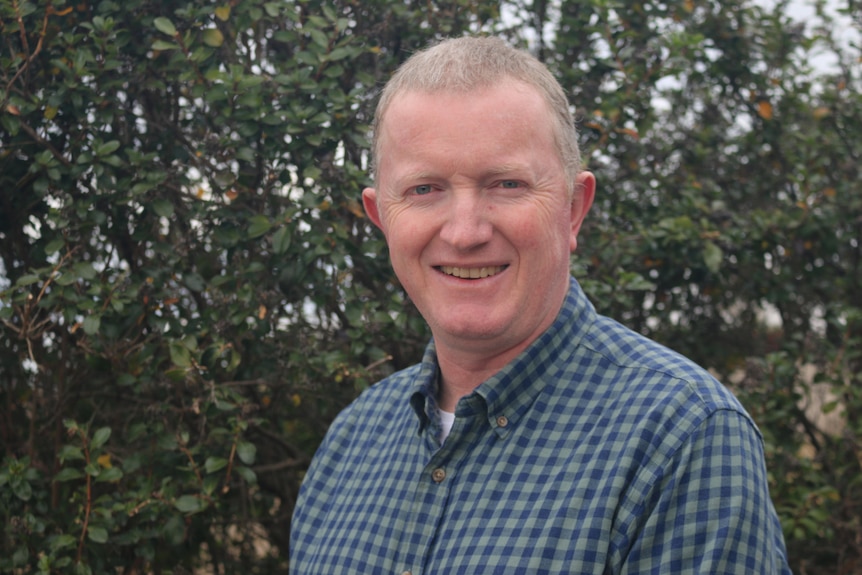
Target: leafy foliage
190,291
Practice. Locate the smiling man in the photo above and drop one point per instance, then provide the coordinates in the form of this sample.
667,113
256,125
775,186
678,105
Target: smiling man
535,436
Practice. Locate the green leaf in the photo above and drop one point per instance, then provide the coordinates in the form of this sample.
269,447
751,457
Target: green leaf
164,45
54,246
246,451
329,13
213,37
26,280
62,541
258,225
214,464
250,81
21,488
97,534
319,38
712,256
245,153
92,323
190,504
224,178
165,26
281,240
100,438
68,474
11,123
195,282
235,360
339,54
113,160
180,355
20,556
84,270
70,453
247,474
107,148
163,208
211,483
110,475
177,374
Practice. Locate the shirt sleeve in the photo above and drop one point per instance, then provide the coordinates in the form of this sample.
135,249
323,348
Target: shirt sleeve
708,509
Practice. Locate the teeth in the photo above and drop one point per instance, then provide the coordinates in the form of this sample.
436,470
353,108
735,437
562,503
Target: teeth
471,273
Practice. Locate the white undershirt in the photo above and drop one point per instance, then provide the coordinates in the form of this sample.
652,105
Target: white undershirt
447,419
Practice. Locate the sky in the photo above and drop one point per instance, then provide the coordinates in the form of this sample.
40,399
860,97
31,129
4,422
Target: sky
847,31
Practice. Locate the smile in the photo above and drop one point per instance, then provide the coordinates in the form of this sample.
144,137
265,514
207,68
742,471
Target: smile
471,273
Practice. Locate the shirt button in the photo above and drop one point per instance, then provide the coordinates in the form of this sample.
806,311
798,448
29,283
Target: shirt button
438,475
502,421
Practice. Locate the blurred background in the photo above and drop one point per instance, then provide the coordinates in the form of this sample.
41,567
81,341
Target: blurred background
189,290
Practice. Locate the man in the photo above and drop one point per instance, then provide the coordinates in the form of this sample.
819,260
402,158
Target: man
535,436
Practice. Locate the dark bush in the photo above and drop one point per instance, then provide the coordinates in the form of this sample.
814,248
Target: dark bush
189,290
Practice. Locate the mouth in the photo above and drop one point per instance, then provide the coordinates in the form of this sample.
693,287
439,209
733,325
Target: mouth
471,273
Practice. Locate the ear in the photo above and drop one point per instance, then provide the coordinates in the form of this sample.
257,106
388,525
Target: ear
582,201
369,202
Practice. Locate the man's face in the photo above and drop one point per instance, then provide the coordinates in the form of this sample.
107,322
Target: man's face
472,198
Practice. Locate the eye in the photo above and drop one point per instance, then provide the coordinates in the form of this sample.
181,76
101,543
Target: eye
422,189
510,184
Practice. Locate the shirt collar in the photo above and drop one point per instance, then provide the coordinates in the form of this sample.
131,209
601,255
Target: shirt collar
506,396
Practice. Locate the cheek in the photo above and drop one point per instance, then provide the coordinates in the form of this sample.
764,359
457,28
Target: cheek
547,228
390,220
405,235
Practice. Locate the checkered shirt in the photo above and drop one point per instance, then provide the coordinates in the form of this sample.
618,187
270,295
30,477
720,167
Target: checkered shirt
596,451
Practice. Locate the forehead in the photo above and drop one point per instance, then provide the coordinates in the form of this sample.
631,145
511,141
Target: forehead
505,108
508,87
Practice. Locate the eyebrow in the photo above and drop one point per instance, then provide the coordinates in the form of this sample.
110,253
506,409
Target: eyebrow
505,169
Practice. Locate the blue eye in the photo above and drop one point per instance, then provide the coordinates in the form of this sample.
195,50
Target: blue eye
422,189
510,184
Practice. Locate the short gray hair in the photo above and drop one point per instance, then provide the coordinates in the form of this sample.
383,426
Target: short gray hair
472,62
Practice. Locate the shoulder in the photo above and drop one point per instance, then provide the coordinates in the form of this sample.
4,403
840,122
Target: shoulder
647,393
392,391
376,410
380,416
647,366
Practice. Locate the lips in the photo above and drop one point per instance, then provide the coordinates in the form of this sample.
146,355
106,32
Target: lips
471,273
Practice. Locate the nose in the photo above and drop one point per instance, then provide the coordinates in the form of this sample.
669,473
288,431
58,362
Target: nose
467,224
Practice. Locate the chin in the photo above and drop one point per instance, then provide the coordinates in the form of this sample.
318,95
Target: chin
474,331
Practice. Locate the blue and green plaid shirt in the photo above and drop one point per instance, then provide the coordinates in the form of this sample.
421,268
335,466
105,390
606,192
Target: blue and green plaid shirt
594,451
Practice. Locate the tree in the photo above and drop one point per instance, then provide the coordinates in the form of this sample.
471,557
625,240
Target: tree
190,291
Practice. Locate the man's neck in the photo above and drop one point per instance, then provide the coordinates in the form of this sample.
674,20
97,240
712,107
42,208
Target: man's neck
461,373
466,363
